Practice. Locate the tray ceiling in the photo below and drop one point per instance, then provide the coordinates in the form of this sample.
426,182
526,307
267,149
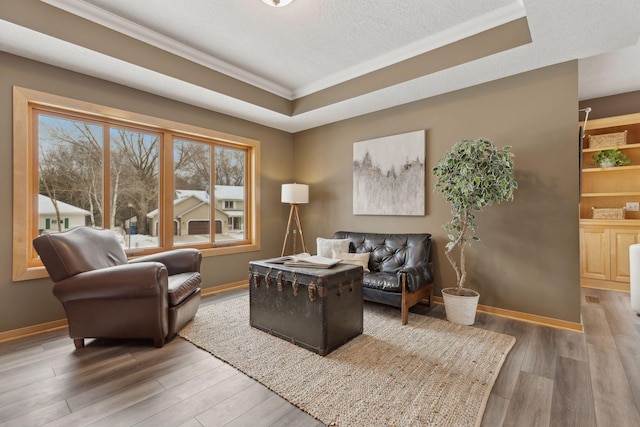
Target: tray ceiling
312,62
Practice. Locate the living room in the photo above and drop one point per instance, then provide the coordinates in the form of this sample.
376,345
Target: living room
527,263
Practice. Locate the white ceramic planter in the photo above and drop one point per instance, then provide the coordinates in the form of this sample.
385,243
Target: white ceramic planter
607,164
460,309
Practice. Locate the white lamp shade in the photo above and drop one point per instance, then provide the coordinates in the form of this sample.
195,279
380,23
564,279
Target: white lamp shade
295,193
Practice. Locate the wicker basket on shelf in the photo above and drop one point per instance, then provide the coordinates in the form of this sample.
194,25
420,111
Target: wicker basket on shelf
608,139
608,213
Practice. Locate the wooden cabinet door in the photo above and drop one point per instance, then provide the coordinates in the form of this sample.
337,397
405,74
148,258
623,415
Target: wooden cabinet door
595,253
620,240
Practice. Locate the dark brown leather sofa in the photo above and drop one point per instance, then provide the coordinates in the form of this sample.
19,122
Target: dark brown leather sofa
106,296
400,272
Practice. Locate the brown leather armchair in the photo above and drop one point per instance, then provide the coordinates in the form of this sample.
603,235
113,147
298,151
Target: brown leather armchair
106,296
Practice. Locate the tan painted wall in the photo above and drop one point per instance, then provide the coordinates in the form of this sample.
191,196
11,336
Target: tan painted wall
31,302
614,105
528,259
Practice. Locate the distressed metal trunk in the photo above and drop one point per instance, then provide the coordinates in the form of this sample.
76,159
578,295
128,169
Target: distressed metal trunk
314,308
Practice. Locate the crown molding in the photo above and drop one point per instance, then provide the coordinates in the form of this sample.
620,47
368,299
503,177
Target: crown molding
476,25
458,32
100,16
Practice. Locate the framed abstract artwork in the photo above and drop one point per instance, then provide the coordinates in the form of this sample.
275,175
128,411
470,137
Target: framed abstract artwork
389,175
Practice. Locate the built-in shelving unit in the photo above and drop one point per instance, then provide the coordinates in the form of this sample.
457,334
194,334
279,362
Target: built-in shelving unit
604,243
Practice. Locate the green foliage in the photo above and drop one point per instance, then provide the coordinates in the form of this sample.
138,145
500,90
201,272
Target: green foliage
614,157
473,174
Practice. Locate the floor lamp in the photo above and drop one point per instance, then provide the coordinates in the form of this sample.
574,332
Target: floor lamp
294,194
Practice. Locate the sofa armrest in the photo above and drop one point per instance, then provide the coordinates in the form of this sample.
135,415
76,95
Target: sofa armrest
147,280
186,260
417,277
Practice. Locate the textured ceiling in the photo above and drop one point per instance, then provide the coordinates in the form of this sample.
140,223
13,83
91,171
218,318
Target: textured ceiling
308,40
301,65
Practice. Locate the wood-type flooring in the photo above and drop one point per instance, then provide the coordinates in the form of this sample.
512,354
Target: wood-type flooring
550,378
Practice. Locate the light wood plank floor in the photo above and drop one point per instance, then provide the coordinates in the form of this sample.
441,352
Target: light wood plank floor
550,378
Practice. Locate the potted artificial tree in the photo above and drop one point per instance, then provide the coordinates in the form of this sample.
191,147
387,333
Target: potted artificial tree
473,174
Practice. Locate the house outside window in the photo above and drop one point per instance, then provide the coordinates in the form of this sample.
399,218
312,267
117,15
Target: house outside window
148,180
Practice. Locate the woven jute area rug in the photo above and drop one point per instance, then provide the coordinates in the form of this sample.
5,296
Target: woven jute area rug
427,373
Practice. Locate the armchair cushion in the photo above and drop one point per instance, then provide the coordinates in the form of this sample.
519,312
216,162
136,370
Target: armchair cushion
177,261
122,281
60,255
383,281
181,286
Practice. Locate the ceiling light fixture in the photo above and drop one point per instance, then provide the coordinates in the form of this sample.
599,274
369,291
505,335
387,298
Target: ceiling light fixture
277,3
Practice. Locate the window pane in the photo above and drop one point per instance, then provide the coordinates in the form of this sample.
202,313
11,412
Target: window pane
229,194
70,174
75,166
135,186
192,183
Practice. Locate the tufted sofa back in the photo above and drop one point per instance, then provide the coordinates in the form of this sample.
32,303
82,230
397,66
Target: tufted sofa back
390,253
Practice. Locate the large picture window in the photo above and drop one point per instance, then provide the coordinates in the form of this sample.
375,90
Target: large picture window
156,184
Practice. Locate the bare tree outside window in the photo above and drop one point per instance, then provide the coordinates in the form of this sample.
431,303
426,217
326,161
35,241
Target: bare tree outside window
136,174
82,164
229,166
74,155
70,165
230,199
198,213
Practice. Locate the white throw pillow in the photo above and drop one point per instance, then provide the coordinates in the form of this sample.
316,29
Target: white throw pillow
355,259
327,246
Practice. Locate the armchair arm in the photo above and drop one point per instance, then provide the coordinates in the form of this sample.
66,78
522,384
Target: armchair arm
417,277
177,261
122,281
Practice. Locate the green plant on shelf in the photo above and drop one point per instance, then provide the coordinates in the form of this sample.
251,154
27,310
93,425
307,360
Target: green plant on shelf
610,158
